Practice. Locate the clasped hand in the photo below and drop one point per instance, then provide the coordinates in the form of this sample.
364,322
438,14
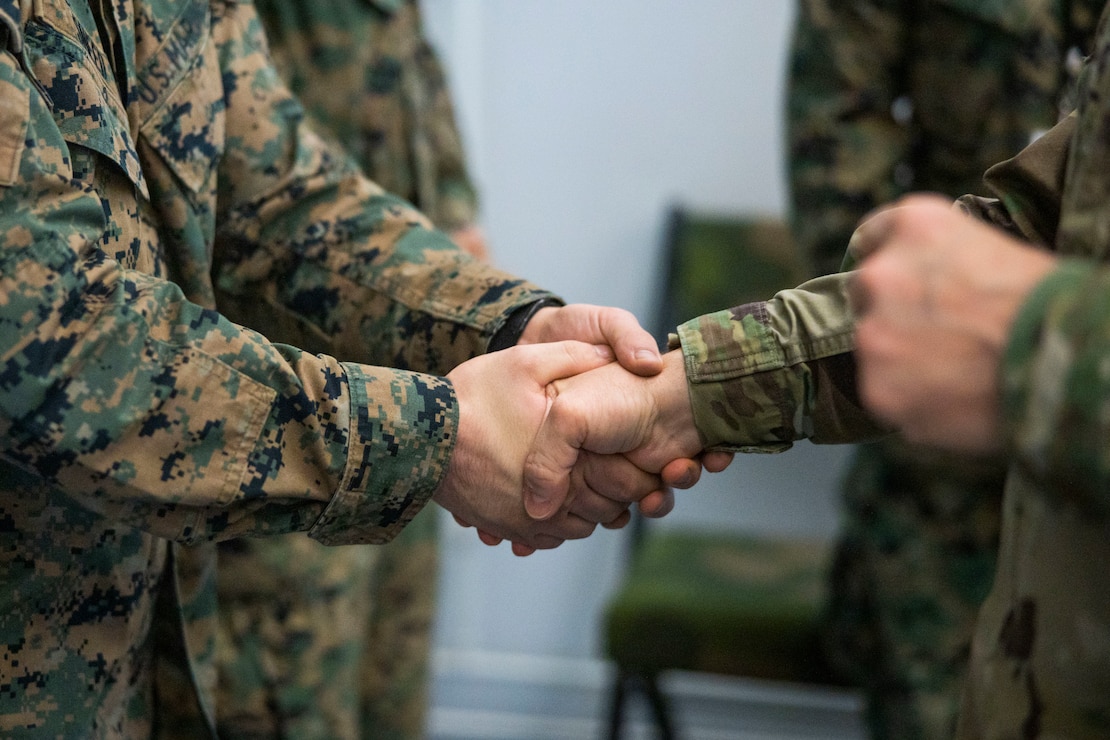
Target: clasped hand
556,437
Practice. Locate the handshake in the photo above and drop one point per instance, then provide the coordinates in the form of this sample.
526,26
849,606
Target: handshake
558,435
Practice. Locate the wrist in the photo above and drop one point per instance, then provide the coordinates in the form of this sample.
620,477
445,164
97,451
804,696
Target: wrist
511,331
673,406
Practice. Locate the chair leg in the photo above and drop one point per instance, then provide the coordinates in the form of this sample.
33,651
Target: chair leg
648,683
616,703
659,706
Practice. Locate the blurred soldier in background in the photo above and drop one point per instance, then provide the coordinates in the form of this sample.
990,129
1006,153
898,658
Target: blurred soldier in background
334,642
884,98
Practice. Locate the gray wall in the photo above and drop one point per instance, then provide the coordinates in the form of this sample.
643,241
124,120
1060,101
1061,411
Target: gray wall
584,121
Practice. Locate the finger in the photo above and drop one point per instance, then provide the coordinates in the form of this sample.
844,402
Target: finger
636,350
715,461
548,466
553,532
620,521
556,360
877,229
872,233
859,295
488,538
682,473
555,450
657,504
613,477
568,526
521,550
594,507
546,541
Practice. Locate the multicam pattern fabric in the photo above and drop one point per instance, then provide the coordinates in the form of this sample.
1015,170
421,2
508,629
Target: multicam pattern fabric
1040,660
884,98
335,642
161,187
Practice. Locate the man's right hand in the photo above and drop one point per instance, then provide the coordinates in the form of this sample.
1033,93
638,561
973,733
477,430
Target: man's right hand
504,398
647,421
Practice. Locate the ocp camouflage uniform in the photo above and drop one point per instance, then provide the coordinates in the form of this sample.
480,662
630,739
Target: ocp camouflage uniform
159,195
322,641
885,98
765,374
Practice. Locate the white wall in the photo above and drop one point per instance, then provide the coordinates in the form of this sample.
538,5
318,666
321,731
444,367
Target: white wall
584,121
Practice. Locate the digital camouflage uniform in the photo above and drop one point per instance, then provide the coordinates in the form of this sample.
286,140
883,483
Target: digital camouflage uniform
322,641
159,194
885,98
765,374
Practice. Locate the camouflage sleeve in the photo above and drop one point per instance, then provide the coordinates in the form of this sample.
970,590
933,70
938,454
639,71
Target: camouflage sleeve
161,414
765,374
315,248
844,143
1055,387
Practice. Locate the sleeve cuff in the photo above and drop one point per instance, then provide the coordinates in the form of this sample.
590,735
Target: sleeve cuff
402,432
509,333
734,409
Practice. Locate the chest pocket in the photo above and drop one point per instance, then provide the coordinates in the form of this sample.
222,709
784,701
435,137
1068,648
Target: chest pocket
73,69
178,99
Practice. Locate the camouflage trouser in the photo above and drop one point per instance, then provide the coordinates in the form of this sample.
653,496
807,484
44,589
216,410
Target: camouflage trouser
914,562
319,642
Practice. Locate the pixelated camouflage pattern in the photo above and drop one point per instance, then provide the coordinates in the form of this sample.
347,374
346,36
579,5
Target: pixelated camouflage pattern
396,669
1040,659
283,651
890,96
136,416
366,71
885,98
276,603
321,642
336,642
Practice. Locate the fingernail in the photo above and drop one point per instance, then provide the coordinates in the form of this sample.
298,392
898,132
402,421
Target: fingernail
647,355
536,505
604,350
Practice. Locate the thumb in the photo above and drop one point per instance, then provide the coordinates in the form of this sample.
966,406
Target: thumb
557,360
555,448
871,233
548,465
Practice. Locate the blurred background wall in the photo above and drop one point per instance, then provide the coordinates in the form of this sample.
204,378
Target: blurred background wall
584,122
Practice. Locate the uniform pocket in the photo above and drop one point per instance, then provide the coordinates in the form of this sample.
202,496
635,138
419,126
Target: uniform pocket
187,130
179,98
86,101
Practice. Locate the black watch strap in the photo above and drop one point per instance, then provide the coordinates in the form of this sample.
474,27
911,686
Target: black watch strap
509,334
